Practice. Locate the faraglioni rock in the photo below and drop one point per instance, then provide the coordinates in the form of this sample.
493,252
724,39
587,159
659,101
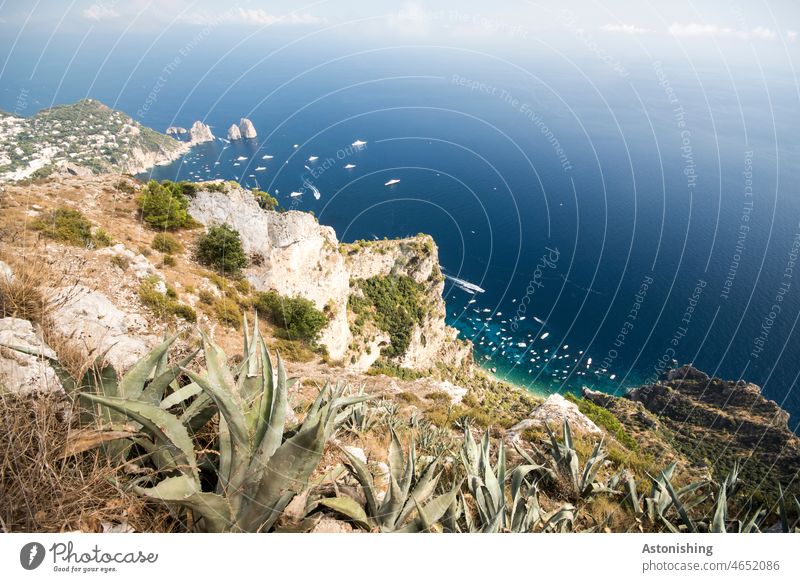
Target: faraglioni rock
246,128
200,133
234,133
174,130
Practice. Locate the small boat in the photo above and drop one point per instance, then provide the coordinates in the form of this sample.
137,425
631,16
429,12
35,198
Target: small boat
267,157
545,335
295,194
313,158
295,146
392,182
260,168
359,144
241,158
349,166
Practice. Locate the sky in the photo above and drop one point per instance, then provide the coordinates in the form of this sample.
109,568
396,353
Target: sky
724,21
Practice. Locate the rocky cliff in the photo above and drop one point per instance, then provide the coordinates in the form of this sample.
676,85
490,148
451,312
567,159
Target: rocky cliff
296,256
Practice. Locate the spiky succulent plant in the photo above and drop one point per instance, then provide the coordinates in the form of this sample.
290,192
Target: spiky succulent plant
258,470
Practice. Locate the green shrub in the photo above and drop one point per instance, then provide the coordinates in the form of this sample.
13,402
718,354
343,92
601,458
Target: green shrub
169,261
206,297
66,225
221,249
164,304
265,201
166,243
297,318
228,312
102,238
398,305
164,206
120,261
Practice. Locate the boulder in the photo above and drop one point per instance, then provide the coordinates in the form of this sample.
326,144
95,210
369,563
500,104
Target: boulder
6,274
137,263
200,133
234,133
22,373
246,128
91,320
553,411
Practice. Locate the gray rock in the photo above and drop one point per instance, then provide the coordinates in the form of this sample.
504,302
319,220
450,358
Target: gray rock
92,321
234,133
248,131
200,133
21,373
553,411
6,274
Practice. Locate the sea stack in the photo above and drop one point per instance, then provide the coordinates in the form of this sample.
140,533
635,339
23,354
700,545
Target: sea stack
200,133
246,128
234,133
173,130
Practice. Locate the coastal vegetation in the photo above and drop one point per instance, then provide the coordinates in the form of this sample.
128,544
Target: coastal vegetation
221,249
164,206
295,318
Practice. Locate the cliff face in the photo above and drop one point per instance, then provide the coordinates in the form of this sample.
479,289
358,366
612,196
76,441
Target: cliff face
296,256
712,423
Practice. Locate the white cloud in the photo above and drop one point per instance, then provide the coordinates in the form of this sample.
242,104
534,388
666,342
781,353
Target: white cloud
412,18
791,35
696,30
250,17
100,12
630,29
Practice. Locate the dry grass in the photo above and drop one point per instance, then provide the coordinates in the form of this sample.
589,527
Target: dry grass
22,297
43,492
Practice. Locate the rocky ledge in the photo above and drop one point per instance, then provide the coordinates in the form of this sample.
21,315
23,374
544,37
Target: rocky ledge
712,423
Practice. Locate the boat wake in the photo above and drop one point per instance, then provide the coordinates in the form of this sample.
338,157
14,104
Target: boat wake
465,285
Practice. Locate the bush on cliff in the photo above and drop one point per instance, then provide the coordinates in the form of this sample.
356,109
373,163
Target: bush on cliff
164,206
221,249
295,317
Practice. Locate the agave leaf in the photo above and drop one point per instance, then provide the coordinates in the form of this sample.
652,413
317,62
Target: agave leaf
132,383
154,391
267,391
234,441
273,429
184,491
433,511
85,439
359,470
396,464
782,510
218,371
164,427
180,395
287,471
348,507
679,507
720,510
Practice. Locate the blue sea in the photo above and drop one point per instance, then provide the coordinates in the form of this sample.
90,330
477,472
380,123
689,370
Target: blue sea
596,224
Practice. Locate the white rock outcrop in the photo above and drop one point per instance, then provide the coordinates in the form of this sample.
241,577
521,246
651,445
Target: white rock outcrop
553,411
137,262
21,373
98,326
234,133
200,133
6,274
246,128
299,257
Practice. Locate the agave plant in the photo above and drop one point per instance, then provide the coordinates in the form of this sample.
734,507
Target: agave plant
408,505
258,471
565,461
147,381
363,416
